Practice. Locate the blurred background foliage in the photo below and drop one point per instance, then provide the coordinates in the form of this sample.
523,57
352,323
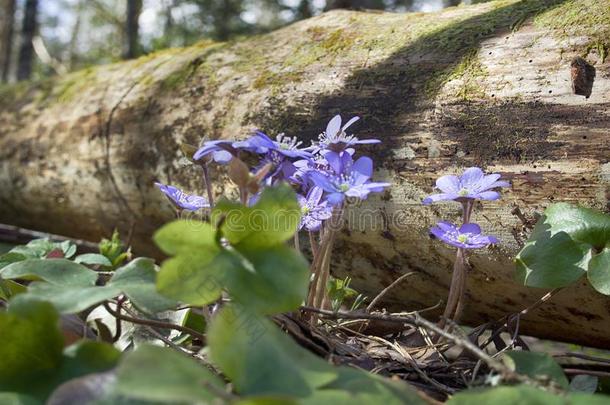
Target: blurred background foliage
39,38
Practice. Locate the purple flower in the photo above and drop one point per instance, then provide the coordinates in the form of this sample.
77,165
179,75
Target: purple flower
468,236
221,151
348,180
313,212
337,140
181,199
283,145
472,184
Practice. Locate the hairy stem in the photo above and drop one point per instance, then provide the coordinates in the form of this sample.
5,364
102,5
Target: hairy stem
455,292
208,184
314,244
321,264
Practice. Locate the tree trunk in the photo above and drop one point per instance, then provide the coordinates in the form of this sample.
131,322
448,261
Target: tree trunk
485,85
28,31
134,8
7,18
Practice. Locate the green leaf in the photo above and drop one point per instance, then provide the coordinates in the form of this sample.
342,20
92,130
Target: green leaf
69,299
36,249
69,286
54,271
87,357
356,386
584,225
195,321
561,246
9,288
551,262
137,280
271,221
68,248
268,400
186,236
93,258
31,346
599,272
11,398
11,257
260,360
523,394
536,364
584,383
31,349
195,278
276,280
159,374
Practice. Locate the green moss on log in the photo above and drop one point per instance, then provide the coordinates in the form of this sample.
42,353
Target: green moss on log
581,18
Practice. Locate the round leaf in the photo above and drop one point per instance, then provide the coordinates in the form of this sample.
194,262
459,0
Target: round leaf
599,272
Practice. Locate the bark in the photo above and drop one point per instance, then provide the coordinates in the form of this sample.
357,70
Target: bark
486,85
7,18
132,27
28,31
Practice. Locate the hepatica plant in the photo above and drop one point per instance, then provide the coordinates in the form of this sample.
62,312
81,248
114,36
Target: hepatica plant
472,185
325,177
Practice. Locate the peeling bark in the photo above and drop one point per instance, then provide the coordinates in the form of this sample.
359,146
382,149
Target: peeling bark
488,85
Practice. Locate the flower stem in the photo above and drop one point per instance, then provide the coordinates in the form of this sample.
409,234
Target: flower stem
208,184
455,290
297,244
321,263
314,244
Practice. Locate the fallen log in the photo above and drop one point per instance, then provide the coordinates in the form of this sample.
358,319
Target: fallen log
491,84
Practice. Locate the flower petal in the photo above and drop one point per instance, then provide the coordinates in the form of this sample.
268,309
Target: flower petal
472,228
314,196
335,198
222,156
350,122
448,184
500,183
439,197
376,187
334,125
334,160
321,180
366,141
364,166
447,227
487,195
486,182
471,177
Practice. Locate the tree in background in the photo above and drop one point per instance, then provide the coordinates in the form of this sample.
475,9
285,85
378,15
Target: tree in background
7,17
82,33
132,26
28,31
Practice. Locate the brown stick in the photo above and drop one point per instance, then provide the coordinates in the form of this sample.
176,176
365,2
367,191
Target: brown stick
154,323
465,344
387,289
508,318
